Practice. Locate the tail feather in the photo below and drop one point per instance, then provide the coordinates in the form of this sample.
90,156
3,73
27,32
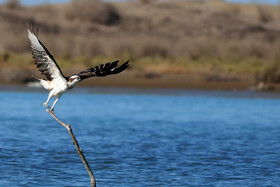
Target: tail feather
35,77
45,84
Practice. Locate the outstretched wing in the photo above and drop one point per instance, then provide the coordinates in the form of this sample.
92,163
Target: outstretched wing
43,59
103,70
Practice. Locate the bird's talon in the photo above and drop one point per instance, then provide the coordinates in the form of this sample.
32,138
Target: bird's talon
45,105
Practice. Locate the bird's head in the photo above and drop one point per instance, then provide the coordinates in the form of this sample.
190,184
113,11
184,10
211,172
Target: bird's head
73,80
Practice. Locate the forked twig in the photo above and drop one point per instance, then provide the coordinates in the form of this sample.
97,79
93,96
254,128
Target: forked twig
80,152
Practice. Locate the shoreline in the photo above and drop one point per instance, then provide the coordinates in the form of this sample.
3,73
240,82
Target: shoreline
110,90
133,79
177,81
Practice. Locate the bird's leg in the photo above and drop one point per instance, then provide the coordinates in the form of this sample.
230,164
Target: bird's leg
55,101
46,103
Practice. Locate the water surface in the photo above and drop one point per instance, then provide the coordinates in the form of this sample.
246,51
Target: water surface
134,137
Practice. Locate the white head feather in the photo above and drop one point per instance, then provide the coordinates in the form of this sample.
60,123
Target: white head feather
74,79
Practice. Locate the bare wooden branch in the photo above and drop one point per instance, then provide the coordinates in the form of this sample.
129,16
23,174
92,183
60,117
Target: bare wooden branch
80,152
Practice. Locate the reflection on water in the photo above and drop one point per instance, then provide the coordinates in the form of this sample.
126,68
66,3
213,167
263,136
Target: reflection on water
141,138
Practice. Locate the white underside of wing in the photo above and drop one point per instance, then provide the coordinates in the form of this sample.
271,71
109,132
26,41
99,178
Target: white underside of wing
55,73
51,65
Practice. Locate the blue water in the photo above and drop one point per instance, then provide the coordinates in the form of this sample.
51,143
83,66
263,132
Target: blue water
141,138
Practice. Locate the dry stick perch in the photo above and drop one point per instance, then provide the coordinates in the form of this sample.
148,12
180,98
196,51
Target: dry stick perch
80,152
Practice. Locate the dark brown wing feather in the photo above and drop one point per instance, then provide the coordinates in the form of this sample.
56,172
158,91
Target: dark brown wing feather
43,58
103,70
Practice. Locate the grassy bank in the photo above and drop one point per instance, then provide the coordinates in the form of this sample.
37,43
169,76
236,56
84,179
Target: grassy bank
204,73
203,66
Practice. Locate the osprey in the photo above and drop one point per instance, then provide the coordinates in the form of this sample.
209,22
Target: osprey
55,81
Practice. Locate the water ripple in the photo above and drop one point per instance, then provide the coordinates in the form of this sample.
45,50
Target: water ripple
140,140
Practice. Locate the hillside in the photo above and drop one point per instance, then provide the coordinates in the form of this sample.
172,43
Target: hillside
208,42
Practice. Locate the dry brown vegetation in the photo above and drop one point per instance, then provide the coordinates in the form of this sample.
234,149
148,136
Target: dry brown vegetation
213,39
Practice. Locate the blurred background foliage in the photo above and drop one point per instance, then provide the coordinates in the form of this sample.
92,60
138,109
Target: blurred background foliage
212,39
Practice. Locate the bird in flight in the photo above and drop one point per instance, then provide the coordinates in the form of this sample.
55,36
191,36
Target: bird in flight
55,81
